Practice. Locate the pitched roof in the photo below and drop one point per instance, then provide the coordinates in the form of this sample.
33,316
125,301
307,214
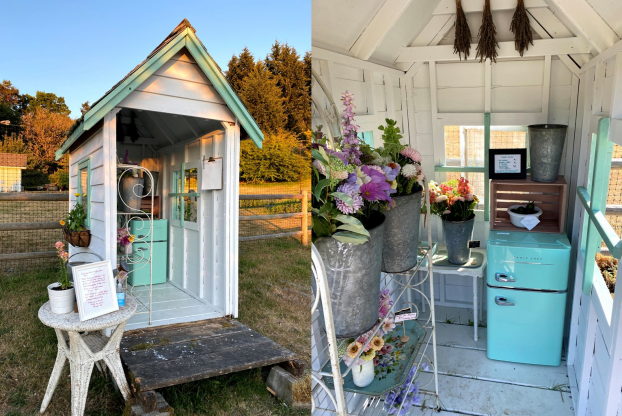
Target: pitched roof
182,35
13,160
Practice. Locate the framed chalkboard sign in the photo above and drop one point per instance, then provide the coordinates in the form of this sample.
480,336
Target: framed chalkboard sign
507,163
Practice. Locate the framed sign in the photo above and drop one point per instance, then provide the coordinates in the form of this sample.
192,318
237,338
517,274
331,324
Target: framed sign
507,163
96,293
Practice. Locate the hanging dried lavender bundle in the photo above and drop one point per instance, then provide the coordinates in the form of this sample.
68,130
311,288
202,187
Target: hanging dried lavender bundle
521,28
487,44
462,40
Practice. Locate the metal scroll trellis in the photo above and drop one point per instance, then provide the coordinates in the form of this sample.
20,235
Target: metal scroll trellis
326,347
324,107
138,259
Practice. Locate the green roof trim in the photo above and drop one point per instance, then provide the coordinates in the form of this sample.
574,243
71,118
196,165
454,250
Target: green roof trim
166,50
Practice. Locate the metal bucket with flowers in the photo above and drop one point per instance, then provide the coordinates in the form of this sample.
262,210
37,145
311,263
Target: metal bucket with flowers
348,225
402,167
454,201
74,228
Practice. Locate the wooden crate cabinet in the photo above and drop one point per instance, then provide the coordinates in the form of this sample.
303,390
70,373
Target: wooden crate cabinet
550,197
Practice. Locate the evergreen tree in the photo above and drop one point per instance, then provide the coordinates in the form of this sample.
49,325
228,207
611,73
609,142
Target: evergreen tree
239,69
262,97
9,102
290,73
46,100
85,107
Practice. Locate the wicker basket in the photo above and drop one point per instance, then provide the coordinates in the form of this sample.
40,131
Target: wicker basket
78,238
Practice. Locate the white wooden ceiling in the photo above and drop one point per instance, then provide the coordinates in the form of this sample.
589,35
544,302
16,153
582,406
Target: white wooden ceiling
380,31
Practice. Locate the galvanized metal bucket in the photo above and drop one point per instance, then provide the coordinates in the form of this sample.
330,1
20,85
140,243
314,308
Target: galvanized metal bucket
353,273
401,234
546,145
131,193
457,236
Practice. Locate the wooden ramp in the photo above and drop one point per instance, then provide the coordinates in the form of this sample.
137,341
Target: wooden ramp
175,354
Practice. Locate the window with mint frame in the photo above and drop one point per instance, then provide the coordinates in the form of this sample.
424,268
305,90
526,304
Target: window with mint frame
367,137
593,197
484,170
84,188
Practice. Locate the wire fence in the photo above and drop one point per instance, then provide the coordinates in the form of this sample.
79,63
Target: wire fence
28,241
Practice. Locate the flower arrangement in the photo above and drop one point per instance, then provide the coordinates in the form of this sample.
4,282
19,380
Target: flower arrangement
402,163
453,200
63,258
128,173
377,347
346,193
400,400
124,237
75,220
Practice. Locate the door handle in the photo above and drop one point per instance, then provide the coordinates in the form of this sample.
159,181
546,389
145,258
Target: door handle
501,301
502,277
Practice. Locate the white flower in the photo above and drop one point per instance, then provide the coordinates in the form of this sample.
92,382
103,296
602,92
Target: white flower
409,171
470,197
441,198
446,212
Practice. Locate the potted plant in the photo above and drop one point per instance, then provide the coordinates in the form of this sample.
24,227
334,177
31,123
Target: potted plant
519,212
348,225
131,187
74,228
125,240
62,294
454,202
403,167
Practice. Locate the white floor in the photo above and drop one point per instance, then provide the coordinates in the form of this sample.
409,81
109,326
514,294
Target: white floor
471,384
170,305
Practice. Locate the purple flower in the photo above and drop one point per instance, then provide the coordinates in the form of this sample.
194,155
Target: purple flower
374,191
352,191
391,172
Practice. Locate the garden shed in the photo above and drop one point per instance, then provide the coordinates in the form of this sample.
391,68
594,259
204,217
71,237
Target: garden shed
397,58
11,166
173,126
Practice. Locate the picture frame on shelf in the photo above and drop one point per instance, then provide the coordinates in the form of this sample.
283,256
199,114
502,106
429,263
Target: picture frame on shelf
507,163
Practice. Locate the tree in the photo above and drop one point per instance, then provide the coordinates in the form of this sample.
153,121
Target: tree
239,69
85,107
262,97
9,102
44,132
291,75
46,100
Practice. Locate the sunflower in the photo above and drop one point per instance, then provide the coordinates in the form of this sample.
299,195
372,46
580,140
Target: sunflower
369,355
376,343
353,349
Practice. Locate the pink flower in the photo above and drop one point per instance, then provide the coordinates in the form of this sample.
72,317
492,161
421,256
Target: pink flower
387,349
384,310
412,154
64,256
59,245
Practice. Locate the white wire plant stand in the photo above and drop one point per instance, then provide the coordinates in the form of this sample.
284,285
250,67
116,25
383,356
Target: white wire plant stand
137,258
328,395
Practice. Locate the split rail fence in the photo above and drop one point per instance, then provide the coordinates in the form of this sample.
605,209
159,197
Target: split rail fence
15,229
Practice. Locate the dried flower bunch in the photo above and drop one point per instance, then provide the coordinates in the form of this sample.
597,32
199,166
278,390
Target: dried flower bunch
521,28
609,269
462,39
487,44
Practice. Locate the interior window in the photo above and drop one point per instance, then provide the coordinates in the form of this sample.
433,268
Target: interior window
465,146
190,185
176,200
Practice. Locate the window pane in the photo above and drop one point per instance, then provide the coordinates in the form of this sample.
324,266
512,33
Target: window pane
83,190
190,185
176,200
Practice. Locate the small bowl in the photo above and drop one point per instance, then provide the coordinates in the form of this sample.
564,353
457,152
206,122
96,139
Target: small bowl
517,218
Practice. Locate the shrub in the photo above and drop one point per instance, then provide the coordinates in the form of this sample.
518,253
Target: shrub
61,178
32,178
278,160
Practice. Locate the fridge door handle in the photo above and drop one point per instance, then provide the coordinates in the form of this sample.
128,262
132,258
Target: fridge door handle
501,301
502,277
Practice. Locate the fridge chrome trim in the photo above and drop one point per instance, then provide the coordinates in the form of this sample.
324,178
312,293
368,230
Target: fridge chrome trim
526,262
527,289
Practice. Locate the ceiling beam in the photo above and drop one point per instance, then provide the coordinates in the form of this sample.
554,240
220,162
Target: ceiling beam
325,54
547,26
431,35
378,28
541,47
195,129
163,127
604,56
583,20
470,6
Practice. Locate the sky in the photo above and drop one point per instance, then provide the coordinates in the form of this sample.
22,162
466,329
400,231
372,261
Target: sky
79,49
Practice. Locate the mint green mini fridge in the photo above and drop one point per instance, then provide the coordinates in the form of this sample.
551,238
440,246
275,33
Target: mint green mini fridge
159,252
527,281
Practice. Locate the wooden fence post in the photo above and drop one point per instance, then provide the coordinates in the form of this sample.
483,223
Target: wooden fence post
305,219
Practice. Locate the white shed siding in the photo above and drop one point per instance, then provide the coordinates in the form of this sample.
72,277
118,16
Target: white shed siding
180,87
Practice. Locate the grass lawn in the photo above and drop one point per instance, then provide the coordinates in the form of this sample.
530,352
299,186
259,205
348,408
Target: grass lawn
275,294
